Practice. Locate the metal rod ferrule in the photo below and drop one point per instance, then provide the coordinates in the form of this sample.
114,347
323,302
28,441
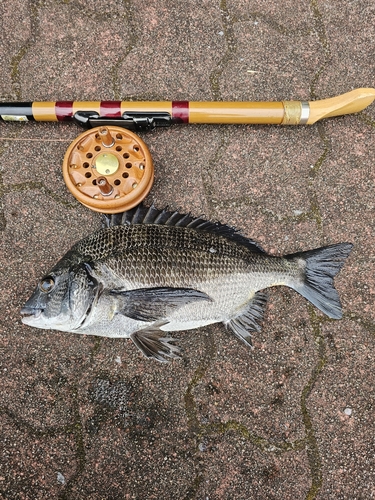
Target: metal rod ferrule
305,112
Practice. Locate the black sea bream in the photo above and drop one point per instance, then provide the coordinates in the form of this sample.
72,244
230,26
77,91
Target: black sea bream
149,272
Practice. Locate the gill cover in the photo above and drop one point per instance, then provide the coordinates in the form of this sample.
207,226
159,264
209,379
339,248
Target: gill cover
62,299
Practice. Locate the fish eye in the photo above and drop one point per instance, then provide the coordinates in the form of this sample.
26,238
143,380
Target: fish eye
46,284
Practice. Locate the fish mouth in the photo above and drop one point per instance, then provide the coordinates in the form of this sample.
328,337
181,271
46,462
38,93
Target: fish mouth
30,313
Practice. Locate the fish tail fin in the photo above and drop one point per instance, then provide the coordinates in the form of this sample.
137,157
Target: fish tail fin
320,266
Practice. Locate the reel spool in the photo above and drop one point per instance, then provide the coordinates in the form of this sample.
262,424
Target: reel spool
108,169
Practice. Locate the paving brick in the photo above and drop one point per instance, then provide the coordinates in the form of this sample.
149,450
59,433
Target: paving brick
84,417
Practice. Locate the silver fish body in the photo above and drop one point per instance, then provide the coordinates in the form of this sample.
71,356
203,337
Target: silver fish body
150,272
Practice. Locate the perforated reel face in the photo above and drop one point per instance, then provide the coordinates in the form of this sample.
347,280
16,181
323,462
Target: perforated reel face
108,169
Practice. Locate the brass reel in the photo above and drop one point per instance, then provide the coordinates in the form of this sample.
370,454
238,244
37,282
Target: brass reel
108,169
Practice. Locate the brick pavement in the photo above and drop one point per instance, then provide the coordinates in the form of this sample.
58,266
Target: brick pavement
88,418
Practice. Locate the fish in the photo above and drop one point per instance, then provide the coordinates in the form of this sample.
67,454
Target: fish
148,272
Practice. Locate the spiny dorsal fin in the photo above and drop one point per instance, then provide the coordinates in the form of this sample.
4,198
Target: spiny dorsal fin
152,215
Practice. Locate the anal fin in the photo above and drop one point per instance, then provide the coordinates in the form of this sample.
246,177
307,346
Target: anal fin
249,318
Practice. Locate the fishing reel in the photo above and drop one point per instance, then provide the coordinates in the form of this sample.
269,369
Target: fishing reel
108,169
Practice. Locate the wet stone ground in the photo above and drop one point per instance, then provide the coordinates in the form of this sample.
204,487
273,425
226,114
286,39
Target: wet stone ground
89,418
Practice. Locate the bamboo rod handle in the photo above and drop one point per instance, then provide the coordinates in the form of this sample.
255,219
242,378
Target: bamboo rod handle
351,102
281,113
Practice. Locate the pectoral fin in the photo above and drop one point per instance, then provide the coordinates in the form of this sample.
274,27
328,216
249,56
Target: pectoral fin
155,304
153,345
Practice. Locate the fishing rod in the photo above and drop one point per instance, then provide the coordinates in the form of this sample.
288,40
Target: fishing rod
109,168
144,115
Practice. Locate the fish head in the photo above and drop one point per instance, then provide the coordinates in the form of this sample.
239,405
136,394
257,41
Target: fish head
62,299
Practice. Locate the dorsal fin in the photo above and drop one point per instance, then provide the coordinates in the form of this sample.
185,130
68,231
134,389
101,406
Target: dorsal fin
152,215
